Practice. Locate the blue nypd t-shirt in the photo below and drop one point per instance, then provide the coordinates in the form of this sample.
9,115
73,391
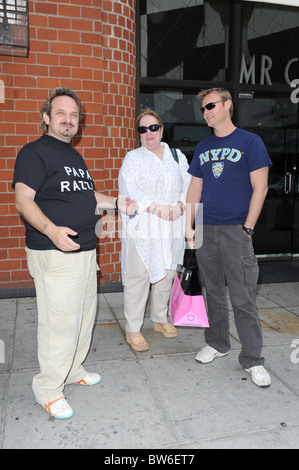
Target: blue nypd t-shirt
225,164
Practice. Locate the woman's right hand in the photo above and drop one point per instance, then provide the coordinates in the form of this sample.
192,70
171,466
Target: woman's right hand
169,212
163,211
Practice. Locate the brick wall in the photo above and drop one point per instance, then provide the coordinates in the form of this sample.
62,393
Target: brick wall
88,45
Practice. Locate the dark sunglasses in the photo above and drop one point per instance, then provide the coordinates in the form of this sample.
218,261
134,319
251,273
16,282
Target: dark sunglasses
152,128
210,106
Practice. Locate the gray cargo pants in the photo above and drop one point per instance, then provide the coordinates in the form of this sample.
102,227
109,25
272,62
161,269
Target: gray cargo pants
227,255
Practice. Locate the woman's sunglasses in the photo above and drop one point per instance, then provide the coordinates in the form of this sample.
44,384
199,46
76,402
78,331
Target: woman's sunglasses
152,128
210,106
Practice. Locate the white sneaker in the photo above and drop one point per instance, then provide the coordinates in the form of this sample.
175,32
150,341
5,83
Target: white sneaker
59,409
90,379
259,376
208,354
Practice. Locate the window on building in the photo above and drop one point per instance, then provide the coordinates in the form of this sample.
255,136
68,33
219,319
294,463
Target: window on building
14,28
270,36
184,39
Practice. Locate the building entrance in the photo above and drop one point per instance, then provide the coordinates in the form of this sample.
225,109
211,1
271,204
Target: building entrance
275,119
249,48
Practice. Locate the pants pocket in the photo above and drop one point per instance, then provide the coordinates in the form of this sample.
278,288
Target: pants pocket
251,270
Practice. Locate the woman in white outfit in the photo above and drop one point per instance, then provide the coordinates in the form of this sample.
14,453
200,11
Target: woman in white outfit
153,240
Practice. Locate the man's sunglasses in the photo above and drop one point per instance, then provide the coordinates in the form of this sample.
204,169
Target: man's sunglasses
210,106
152,128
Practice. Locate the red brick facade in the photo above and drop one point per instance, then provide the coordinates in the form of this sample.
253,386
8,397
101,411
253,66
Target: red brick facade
88,45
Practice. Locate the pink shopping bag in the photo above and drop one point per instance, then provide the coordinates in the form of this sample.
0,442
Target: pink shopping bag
185,309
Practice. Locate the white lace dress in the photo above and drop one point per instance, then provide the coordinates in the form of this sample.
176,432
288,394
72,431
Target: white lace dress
146,179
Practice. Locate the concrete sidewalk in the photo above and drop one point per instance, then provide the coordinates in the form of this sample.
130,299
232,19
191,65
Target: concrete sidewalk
159,399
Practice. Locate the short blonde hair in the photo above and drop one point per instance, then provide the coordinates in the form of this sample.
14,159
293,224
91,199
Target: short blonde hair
224,95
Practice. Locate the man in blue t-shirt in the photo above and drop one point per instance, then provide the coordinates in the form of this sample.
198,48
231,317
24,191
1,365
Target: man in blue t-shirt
230,178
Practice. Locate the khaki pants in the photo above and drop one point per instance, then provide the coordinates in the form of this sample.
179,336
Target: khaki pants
66,290
136,291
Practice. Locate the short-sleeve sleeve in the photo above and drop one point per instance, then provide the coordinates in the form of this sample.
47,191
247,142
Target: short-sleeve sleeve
29,169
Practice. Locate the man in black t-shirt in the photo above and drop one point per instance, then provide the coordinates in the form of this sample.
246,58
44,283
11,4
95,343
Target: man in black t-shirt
55,194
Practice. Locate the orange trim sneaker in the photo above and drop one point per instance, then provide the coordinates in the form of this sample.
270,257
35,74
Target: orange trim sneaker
90,379
59,408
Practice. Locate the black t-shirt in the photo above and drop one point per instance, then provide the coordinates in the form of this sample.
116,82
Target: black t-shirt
64,190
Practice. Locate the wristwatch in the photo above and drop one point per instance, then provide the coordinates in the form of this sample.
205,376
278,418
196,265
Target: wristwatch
249,231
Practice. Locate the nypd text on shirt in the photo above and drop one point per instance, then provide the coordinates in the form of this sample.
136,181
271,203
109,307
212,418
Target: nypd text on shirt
232,155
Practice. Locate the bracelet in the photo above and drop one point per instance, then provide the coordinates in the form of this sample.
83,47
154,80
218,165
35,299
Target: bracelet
154,209
115,203
182,209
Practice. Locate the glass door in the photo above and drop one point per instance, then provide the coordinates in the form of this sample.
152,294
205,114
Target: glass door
292,182
275,119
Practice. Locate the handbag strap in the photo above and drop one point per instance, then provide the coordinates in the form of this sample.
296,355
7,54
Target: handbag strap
174,154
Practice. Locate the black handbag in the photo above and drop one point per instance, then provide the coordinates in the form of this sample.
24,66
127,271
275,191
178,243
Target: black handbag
188,274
